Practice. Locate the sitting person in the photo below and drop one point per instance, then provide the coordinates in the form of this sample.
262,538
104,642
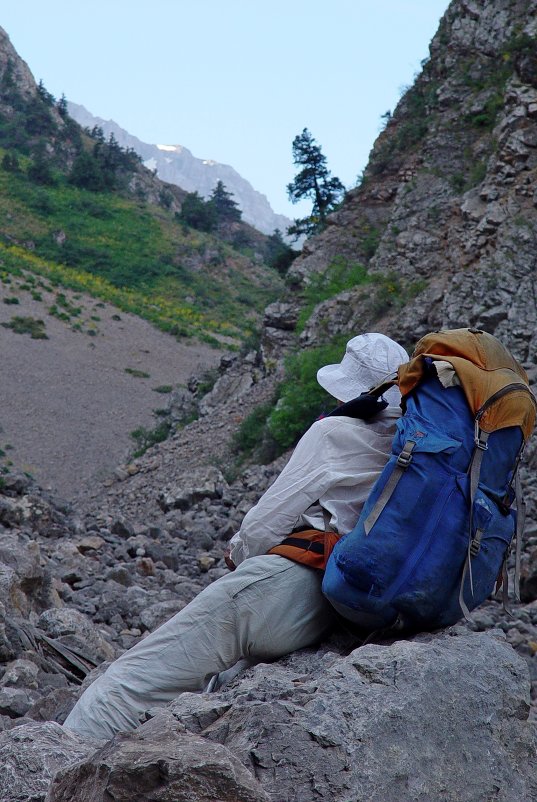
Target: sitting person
269,606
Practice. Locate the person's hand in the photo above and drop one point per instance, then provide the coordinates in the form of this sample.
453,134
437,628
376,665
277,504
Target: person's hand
229,562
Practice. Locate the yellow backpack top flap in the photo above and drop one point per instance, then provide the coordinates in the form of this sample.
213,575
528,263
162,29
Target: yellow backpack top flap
495,384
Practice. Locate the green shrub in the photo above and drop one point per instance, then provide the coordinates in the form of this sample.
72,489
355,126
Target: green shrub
475,176
477,173
27,325
521,44
11,301
133,256
301,398
145,438
163,388
41,172
207,381
370,241
340,275
138,374
55,312
457,181
486,118
252,429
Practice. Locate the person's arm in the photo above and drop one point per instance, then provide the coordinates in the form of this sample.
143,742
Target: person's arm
304,479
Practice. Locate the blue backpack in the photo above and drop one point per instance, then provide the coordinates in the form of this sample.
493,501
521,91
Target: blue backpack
435,532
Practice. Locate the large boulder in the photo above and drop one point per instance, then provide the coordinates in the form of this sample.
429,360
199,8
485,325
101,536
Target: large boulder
30,755
439,717
158,763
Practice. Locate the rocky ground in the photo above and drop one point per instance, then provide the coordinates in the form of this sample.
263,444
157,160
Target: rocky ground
78,588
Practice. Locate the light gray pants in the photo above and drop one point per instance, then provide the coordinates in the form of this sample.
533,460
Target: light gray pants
268,607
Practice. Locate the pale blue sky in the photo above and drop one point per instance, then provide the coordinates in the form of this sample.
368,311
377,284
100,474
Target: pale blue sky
233,80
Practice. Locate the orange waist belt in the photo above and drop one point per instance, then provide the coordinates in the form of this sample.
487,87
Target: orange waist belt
311,547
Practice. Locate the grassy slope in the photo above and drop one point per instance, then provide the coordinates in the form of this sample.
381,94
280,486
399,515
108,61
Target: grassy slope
133,254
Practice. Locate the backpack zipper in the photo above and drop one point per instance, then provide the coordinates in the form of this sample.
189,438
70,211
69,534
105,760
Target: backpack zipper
509,388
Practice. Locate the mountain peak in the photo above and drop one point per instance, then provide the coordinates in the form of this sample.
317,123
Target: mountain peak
171,148
177,165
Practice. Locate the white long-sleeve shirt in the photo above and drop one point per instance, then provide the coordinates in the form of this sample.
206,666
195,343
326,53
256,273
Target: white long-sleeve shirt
333,467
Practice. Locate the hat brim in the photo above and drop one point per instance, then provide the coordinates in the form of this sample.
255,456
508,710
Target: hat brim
338,384
333,379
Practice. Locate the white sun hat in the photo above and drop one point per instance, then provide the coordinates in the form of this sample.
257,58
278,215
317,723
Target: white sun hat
368,359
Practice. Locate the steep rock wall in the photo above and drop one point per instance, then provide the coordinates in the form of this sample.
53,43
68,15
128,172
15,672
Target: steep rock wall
450,189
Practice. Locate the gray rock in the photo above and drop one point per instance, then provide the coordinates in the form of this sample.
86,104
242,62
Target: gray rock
12,593
158,613
182,405
200,484
528,578
55,706
15,702
15,483
23,555
437,717
120,575
122,527
14,512
158,762
232,385
30,755
81,629
282,316
20,674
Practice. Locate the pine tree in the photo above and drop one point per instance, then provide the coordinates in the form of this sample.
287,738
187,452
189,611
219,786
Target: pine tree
45,95
197,213
225,208
61,105
314,182
279,254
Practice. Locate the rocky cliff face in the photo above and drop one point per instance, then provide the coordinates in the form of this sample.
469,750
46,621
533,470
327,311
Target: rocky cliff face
175,164
449,194
12,62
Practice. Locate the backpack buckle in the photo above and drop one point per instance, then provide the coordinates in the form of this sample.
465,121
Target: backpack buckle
480,438
475,543
475,546
405,457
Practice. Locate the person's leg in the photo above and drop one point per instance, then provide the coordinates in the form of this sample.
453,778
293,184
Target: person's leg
266,608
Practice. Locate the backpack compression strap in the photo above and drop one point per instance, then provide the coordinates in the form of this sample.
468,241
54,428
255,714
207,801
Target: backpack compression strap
474,543
403,461
520,521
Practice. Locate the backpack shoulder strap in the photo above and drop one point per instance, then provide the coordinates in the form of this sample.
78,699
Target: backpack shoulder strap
474,542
